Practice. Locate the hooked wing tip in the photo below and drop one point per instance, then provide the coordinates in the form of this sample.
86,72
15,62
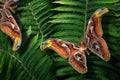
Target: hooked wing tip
99,12
14,48
17,44
46,44
43,45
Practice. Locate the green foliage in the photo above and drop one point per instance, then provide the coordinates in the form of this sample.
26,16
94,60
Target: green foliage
64,19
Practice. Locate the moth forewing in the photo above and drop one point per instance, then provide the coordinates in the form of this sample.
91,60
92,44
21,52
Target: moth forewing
10,27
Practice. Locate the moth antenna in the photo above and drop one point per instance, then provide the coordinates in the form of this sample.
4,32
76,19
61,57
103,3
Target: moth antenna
78,40
81,40
12,9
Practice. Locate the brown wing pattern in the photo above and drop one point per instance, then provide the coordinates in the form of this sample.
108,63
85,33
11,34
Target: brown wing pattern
78,62
68,50
93,38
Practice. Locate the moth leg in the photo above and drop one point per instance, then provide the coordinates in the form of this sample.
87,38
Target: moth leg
87,52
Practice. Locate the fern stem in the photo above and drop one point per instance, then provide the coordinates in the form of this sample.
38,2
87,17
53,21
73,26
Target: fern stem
20,62
37,23
85,20
42,36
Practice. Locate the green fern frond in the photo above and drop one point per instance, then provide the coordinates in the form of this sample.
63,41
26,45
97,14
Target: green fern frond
36,14
66,20
28,65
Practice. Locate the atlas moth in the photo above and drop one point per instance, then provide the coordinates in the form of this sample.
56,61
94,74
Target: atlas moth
92,40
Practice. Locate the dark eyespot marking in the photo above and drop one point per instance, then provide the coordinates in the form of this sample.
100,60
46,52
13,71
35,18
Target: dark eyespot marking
78,57
96,46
